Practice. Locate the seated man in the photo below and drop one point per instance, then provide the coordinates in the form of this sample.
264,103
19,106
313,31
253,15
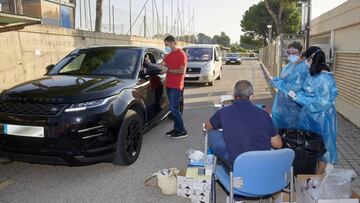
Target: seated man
246,127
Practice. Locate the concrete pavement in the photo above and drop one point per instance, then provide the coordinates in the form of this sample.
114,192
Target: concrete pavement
24,182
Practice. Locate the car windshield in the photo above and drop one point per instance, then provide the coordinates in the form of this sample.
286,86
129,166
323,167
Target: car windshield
232,55
199,54
117,62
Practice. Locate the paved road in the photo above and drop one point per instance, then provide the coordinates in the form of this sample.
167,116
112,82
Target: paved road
23,182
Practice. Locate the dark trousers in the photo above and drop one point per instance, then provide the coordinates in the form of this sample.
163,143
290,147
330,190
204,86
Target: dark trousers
174,96
217,144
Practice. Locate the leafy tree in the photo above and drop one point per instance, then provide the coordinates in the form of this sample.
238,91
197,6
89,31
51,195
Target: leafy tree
255,20
203,39
223,39
215,39
249,42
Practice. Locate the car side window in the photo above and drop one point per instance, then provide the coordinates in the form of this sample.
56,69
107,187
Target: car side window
218,51
216,55
73,65
159,56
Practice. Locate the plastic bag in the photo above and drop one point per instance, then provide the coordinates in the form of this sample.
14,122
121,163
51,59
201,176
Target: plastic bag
285,112
336,185
195,155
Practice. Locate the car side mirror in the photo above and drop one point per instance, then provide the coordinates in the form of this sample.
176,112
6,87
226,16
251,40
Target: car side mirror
49,67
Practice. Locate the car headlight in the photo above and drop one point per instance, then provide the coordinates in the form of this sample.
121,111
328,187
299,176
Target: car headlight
89,104
228,59
207,66
238,59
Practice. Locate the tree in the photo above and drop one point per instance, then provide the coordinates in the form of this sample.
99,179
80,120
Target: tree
99,14
275,8
247,41
203,39
215,39
224,40
257,17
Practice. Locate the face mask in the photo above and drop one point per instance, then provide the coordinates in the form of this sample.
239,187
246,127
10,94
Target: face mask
167,50
293,58
307,63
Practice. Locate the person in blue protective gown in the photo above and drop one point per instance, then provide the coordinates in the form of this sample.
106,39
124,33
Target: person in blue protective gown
285,112
318,113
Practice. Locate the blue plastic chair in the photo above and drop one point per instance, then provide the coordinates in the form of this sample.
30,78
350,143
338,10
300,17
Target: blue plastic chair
258,174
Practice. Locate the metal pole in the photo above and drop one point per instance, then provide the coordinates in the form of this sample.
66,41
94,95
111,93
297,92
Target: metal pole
163,19
144,26
172,15
189,27
15,8
109,16
81,22
130,18
308,24
194,21
113,19
183,18
85,12
153,17
89,3
167,25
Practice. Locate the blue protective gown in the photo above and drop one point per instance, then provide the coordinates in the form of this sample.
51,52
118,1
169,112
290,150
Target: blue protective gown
285,112
318,113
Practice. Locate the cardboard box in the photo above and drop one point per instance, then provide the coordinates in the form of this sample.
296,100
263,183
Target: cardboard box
193,186
302,196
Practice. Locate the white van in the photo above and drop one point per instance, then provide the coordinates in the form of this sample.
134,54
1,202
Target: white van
204,63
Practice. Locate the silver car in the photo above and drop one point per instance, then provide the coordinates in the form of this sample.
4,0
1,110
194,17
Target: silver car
204,63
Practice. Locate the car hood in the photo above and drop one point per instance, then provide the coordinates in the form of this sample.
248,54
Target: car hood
197,64
66,89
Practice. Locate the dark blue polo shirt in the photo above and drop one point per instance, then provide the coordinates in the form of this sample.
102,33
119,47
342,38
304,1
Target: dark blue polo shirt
246,127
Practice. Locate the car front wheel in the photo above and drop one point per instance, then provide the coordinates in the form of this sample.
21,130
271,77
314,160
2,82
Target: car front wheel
129,139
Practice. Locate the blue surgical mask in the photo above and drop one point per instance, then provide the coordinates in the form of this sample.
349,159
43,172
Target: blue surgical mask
307,64
293,58
167,50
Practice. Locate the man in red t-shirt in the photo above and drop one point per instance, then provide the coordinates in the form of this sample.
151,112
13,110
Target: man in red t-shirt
175,62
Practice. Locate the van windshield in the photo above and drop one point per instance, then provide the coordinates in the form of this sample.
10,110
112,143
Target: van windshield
199,54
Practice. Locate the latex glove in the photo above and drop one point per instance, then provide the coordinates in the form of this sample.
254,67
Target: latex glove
292,94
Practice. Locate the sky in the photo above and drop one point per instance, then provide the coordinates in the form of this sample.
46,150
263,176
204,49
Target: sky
210,16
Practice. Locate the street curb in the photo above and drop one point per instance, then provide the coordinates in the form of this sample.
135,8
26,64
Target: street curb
267,78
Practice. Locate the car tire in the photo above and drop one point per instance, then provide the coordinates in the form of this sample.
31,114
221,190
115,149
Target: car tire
129,139
212,83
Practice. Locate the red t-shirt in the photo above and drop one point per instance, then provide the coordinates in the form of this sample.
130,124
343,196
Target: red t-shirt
175,60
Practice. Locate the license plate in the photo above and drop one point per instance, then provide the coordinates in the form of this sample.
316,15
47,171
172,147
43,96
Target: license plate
190,76
26,131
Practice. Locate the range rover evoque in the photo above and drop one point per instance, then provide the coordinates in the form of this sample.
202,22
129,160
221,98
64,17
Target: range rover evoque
92,106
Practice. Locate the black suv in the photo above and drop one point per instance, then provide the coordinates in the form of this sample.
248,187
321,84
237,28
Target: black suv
94,105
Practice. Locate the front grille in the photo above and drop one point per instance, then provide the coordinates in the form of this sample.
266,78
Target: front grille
30,109
193,70
192,78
